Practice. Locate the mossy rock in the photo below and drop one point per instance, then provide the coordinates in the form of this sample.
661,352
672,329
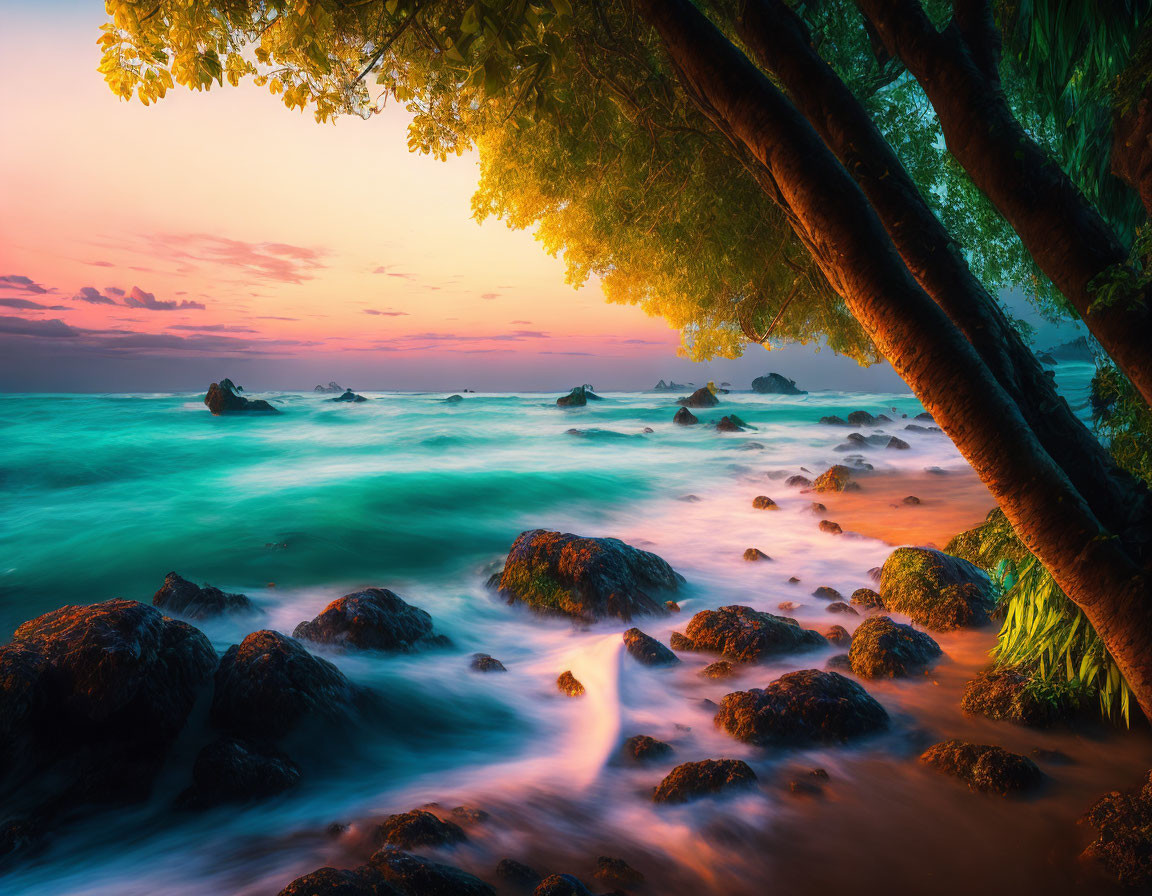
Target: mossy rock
882,648
1009,694
990,542
837,478
986,768
936,590
1123,845
745,635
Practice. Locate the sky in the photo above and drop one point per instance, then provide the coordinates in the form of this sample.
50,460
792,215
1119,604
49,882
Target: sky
219,234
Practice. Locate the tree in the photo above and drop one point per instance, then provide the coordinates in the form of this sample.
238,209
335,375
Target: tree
767,199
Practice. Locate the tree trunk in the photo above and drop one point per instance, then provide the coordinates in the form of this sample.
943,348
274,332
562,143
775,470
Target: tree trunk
782,43
1070,241
927,350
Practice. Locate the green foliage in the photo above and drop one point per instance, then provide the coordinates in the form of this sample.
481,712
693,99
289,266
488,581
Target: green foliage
1123,420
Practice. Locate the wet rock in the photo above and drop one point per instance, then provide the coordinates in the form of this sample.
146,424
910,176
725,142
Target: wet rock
830,527
867,598
729,424
1007,694
838,606
1123,844
985,768
861,418
838,635
798,481
689,499
912,499
179,596
561,885
837,478
417,828
809,706
647,430
775,384
925,416
469,815
937,590
482,662
577,398
672,606
817,507
613,872
363,881
641,748
792,580
746,635
586,578
453,399
897,444
882,648
763,502
833,420
224,398
230,770
91,699
701,398
874,574
718,670
268,684
787,606
349,396
838,663
568,685
417,876
680,642
685,417
517,874
647,650
372,619
826,593
915,427
693,780
754,554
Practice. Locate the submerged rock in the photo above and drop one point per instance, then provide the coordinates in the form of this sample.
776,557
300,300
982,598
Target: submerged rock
410,830
718,670
775,384
838,606
482,662
798,481
830,527
349,395
754,554
867,598
230,770
517,874
1123,844
178,595
417,876
861,418
746,635
693,780
826,593
763,502
268,684
837,478
701,398
833,420
1007,694
647,650
577,398
224,398
809,706
372,619
729,424
986,768
937,590
685,417
586,578
613,872
641,748
569,685
882,648
453,399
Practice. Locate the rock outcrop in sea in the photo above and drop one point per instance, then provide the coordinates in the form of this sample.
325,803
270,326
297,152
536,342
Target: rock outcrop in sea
984,767
333,388
937,590
746,635
775,384
882,648
349,396
372,619
224,398
179,596
701,398
694,780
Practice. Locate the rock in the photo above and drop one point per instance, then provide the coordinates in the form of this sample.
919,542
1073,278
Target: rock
746,635
787,606
349,396
693,780
912,499
417,876
577,398
372,619
685,417
680,642
586,578
728,424
1077,349
755,554
861,418
817,507
803,707
516,873
938,591
482,662
833,420
897,444
837,478
647,650
882,648
642,748
268,684
648,430
230,770
561,885
333,388
915,427
718,670
984,767
798,481
701,398
826,593
689,499
763,502
1123,844
179,596
838,635
410,830
568,685
224,398
1007,694
867,598
613,872
924,415
362,881
775,384
672,606
838,662
91,699
838,606
453,399
469,815
830,527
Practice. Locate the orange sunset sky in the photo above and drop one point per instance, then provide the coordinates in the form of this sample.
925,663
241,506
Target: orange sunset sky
220,234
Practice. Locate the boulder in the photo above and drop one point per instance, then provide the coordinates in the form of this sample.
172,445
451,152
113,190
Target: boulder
517,874
685,417
693,780
746,635
230,770
268,684
372,619
912,500
798,481
1123,844
897,444
833,420
775,384
882,648
454,399
861,418
641,748
866,598
838,606
586,578
482,662
1007,694
410,830
647,650
838,636
837,478
569,685
91,700
826,593
701,398
803,707
718,670
753,555
349,395
937,590
983,767
224,398
362,881
577,398
727,424
333,388
417,876
617,873
832,528
561,885
763,502
183,598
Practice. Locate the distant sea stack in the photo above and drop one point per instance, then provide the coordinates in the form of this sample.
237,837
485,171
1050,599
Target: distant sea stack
349,395
775,384
333,388
672,386
1076,350
578,397
224,398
